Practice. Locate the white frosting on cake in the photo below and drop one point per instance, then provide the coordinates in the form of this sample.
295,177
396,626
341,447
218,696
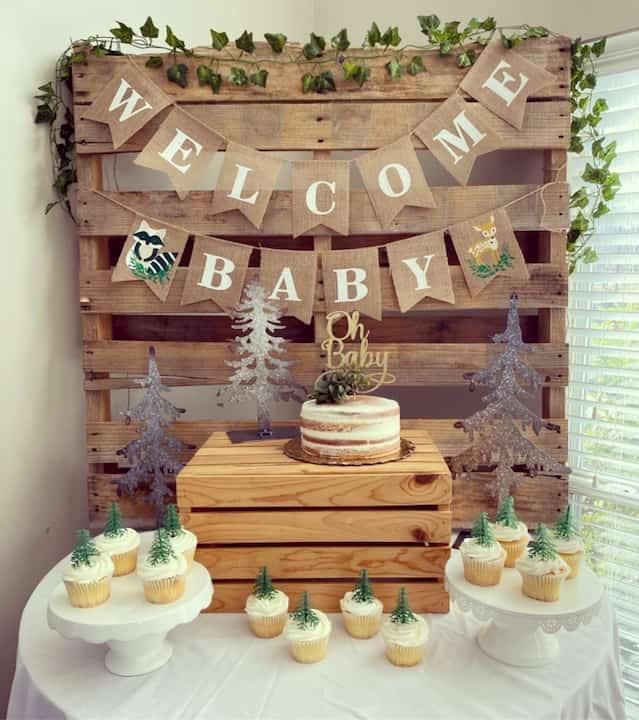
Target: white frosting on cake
98,567
532,566
411,634
267,607
184,541
320,630
348,605
127,540
173,567
363,426
472,549
508,534
574,545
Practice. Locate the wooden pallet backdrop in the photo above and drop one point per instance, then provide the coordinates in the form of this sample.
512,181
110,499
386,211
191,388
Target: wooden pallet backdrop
436,347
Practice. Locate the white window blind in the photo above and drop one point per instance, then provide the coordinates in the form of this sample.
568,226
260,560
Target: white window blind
603,395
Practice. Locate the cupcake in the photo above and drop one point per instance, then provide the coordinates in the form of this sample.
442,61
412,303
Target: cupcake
405,634
308,631
510,532
120,543
567,542
88,576
361,610
482,555
542,570
162,571
266,607
182,541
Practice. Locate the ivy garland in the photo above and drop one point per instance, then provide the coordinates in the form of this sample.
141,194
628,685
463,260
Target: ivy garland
320,58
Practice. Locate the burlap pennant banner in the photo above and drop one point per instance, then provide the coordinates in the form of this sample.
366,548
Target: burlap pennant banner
352,281
419,269
487,247
183,148
502,80
151,253
320,194
246,182
216,272
456,134
289,277
394,179
126,104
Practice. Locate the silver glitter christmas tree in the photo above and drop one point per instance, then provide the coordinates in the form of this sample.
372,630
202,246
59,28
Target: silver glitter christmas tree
259,372
496,430
153,455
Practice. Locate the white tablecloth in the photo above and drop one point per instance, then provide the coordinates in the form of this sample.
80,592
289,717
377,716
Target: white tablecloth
220,671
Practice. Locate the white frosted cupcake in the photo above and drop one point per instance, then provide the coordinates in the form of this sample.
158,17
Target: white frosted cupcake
119,543
482,555
162,571
182,541
542,570
510,532
87,578
308,631
266,607
568,543
361,610
405,634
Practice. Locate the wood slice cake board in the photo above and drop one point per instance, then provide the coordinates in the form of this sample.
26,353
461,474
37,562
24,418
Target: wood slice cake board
316,526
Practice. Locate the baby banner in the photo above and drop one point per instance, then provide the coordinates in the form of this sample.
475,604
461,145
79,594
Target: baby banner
320,195
352,281
289,277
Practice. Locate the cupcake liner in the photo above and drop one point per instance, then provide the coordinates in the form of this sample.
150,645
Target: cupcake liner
514,549
88,594
542,587
267,626
309,651
404,655
189,556
125,563
573,560
166,590
362,627
484,572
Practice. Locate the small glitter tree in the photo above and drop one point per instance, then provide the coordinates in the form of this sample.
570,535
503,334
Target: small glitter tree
304,615
113,526
153,455
482,533
363,592
161,550
402,614
566,528
84,551
259,372
172,523
263,586
542,547
497,429
506,515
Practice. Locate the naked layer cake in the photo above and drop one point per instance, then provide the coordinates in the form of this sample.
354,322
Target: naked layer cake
360,428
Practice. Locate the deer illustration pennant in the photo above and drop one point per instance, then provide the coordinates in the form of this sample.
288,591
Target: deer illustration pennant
126,104
487,247
151,253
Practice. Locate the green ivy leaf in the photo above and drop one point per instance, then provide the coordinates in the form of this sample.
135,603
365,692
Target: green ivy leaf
340,41
601,209
177,73
238,76
373,36
391,37
325,82
394,68
579,199
259,78
589,255
510,41
599,47
98,51
428,23
215,81
589,82
44,114
148,30
308,82
172,40
354,71
600,106
123,32
467,58
314,47
245,42
154,61
219,40
203,73
535,31
416,65
276,41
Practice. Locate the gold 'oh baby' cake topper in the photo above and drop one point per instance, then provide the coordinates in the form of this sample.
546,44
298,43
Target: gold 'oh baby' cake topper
372,365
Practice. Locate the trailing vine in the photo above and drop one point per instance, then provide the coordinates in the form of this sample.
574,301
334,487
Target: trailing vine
236,63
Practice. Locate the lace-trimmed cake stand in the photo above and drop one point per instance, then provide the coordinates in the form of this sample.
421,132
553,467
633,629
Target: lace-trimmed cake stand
134,630
521,630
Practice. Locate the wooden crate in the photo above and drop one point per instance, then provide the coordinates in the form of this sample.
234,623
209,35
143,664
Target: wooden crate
316,526
432,345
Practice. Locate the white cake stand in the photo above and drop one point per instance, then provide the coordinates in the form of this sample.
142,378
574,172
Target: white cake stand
521,630
134,629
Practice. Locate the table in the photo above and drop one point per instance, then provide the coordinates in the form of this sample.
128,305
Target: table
220,671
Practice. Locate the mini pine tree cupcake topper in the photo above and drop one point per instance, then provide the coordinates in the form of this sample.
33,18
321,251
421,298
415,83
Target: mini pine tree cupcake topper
507,515
304,615
566,528
402,614
172,523
482,533
363,592
113,527
84,551
263,586
542,547
161,550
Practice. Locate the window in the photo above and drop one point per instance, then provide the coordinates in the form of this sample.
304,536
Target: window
603,395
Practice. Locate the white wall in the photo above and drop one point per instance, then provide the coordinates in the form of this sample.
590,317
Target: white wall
41,424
